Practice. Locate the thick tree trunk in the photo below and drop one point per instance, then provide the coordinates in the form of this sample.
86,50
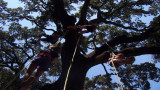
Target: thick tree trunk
79,66
75,80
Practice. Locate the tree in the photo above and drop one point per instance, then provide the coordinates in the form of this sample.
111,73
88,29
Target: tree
133,77
120,30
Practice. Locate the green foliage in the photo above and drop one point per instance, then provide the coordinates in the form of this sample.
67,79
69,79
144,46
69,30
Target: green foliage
132,77
102,82
5,76
139,75
119,17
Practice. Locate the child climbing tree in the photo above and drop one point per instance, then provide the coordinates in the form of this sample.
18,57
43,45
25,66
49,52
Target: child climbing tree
119,29
42,60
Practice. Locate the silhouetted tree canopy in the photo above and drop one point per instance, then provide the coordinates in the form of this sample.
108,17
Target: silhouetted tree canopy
131,27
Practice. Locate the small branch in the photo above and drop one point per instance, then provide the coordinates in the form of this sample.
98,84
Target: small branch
120,25
37,24
113,23
105,69
125,4
6,64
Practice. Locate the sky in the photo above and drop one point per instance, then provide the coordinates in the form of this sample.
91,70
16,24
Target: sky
98,69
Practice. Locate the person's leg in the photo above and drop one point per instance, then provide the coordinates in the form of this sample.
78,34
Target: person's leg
43,63
30,70
39,72
27,83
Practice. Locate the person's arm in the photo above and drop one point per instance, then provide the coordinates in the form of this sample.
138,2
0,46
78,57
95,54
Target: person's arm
119,60
116,63
125,61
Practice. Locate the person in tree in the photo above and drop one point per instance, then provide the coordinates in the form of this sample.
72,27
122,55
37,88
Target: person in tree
83,28
119,60
41,62
50,38
80,28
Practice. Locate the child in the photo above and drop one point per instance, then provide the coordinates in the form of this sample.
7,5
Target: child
87,28
43,60
119,60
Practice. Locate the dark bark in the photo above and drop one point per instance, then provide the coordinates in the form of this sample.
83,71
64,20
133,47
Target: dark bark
81,63
76,77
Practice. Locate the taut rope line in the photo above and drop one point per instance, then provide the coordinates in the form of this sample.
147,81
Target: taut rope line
71,65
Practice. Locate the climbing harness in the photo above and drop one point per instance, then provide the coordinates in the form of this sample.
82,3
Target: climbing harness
64,88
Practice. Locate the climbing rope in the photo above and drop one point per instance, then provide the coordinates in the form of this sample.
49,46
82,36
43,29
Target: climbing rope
64,88
16,76
116,73
113,55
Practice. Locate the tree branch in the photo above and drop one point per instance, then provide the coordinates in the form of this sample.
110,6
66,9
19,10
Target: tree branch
5,64
59,11
140,51
105,69
124,39
100,20
134,38
120,25
60,14
126,4
101,58
84,13
110,13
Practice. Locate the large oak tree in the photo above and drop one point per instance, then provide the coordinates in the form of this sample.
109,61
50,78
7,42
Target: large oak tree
120,29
